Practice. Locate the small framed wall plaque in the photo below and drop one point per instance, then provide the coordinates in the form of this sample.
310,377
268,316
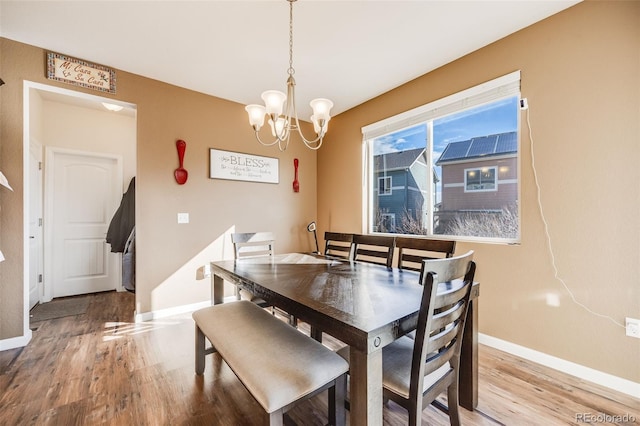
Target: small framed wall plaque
80,73
247,167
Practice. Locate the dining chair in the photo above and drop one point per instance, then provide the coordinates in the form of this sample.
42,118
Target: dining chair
412,251
373,249
338,244
252,244
416,372
255,244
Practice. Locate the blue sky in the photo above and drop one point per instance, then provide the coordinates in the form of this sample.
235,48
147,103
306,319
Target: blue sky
497,117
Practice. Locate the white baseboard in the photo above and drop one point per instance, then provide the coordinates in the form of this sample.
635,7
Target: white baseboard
604,379
177,310
15,342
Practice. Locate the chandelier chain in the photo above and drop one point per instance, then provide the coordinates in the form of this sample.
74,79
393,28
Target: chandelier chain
291,71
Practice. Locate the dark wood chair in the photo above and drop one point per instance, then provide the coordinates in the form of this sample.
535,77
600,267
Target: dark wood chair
416,371
338,244
373,249
412,251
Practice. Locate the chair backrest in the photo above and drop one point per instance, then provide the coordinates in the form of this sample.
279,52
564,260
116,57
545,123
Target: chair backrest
338,244
412,251
373,249
441,319
252,244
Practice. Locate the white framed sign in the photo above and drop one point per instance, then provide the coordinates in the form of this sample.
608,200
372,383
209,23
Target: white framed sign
247,167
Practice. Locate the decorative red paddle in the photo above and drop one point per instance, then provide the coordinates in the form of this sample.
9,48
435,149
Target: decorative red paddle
180,173
296,184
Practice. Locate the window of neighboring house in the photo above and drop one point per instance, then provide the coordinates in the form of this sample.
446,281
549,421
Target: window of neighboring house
384,185
483,179
455,164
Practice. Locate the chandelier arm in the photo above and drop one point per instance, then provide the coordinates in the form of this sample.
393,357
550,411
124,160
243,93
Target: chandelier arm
308,142
276,141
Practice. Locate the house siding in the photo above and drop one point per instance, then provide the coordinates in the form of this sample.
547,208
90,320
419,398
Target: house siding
454,196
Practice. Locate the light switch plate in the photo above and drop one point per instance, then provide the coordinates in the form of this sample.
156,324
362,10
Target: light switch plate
183,217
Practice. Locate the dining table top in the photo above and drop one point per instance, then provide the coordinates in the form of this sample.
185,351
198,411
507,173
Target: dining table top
357,301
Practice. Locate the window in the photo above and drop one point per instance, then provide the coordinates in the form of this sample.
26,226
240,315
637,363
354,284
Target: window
483,179
384,185
454,163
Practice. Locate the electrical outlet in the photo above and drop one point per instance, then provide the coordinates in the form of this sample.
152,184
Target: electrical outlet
633,327
183,217
524,104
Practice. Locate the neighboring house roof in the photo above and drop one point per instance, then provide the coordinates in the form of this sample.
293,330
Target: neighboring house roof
481,146
399,160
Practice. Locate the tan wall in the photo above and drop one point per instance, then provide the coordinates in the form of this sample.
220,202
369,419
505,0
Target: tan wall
168,253
90,130
581,75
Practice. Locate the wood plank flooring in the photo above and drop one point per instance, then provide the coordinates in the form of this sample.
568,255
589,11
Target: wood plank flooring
101,368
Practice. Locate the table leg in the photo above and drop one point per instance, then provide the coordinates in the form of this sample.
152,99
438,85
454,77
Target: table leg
468,383
366,388
217,290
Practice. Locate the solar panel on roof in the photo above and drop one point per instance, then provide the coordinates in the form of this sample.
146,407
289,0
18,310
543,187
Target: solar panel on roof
482,146
507,142
455,150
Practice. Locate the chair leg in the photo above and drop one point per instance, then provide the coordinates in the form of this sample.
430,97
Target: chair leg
336,401
293,321
452,401
200,352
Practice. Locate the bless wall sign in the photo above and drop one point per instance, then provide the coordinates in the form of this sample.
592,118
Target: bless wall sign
80,73
238,166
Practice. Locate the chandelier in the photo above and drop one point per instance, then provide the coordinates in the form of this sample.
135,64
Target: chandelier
281,109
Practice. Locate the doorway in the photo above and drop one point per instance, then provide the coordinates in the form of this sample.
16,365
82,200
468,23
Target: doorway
90,153
82,190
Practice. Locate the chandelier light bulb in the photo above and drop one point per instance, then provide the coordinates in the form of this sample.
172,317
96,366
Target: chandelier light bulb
256,115
274,101
278,127
321,108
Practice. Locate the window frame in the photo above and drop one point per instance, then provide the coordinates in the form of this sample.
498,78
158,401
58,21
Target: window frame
491,91
388,188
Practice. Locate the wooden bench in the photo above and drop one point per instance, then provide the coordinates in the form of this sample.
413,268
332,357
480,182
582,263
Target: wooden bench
275,362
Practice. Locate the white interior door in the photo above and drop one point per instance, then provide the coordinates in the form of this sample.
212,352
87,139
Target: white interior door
35,222
85,191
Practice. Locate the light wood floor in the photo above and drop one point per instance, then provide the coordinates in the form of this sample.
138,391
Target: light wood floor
101,368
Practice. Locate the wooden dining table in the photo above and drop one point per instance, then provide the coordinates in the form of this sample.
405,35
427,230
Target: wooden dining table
366,306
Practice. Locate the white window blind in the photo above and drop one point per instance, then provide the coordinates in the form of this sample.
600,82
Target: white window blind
501,87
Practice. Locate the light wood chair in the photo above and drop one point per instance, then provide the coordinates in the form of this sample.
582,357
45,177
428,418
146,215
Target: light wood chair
373,249
416,371
252,244
256,244
338,245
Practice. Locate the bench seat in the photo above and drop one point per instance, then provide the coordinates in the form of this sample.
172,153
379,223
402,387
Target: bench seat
275,362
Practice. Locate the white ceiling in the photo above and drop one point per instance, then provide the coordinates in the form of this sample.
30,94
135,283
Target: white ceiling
347,51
